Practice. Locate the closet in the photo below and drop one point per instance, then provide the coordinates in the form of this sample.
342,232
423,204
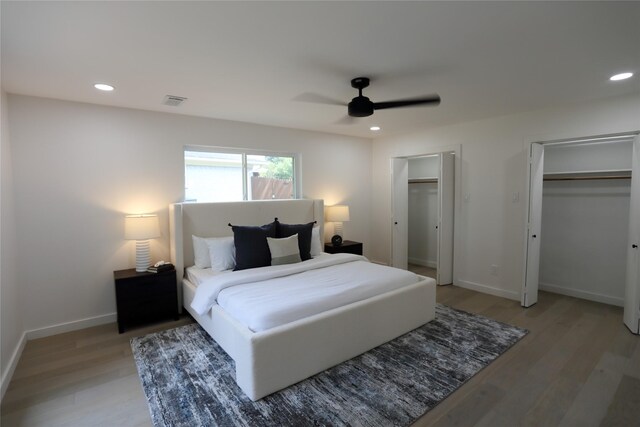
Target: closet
583,222
414,227
585,219
423,212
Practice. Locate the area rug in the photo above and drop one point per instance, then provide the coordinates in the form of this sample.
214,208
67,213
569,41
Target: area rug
189,380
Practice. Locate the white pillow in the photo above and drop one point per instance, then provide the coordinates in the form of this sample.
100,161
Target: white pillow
222,253
201,257
316,242
284,251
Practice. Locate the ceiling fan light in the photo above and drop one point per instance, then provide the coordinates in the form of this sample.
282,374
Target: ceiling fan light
621,76
104,87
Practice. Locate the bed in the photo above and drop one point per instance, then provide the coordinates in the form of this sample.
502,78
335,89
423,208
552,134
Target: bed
270,360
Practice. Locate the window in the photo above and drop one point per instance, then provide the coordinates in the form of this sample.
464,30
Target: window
221,175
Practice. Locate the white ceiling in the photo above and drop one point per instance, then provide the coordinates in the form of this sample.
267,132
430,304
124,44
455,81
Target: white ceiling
253,61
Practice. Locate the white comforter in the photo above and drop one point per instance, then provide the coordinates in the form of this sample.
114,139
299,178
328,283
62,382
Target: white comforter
263,298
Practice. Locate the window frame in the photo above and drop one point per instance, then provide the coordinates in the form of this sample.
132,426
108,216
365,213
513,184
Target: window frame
244,152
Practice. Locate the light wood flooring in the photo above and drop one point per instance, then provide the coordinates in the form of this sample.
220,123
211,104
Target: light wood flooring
578,366
422,270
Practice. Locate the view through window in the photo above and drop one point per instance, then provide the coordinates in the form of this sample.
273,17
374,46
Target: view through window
225,175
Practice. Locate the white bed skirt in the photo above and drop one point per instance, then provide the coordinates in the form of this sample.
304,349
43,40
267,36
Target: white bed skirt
271,360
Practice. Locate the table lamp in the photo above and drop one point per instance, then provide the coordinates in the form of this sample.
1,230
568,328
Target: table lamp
337,214
141,228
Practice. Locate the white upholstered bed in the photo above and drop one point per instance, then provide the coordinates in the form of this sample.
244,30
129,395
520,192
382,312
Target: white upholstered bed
278,357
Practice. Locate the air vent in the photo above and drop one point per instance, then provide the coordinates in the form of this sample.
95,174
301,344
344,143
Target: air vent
173,101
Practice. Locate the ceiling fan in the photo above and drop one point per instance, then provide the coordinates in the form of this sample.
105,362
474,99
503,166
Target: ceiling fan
361,106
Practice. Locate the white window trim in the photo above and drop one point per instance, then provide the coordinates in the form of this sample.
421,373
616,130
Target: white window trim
297,175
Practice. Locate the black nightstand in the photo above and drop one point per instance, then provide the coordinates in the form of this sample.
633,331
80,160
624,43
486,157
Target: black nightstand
347,247
145,297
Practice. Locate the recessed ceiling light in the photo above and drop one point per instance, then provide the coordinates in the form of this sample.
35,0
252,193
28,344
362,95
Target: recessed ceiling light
375,128
103,86
621,76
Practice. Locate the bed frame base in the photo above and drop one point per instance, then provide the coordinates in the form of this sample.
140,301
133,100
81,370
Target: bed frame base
271,360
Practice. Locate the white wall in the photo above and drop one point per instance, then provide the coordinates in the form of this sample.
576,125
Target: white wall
79,168
591,157
490,219
424,167
10,308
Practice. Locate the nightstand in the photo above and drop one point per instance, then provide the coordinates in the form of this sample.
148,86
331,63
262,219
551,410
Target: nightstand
347,247
145,297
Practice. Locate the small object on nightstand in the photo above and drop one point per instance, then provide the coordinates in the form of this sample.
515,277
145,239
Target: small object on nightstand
145,297
160,266
336,240
347,247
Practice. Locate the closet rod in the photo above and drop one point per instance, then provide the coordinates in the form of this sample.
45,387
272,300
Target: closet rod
422,181
584,178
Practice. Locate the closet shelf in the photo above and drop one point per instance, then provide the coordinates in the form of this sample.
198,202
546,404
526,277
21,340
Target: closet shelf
586,175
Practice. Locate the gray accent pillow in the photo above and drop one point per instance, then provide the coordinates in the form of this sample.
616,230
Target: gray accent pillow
284,251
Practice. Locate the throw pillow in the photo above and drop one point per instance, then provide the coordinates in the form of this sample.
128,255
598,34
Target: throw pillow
285,250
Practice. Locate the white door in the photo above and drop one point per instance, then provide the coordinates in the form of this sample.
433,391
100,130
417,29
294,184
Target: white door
532,268
445,219
632,289
400,212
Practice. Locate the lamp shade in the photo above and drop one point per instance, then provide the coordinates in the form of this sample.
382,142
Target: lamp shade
337,213
141,227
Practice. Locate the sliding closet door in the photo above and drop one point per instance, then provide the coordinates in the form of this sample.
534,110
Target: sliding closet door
536,170
445,219
400,212
632,290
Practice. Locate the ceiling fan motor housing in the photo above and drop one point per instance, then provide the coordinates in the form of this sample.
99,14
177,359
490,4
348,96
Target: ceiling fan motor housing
360,106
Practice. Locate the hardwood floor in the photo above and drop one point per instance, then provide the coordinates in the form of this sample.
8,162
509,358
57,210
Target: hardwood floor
422,270
578,366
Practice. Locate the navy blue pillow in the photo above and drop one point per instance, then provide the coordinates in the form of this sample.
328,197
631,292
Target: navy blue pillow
304,232
252,249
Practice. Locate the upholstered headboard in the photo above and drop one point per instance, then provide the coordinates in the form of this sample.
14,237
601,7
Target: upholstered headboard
212,219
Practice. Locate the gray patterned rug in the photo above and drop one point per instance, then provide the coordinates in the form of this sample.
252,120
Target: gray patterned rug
189,380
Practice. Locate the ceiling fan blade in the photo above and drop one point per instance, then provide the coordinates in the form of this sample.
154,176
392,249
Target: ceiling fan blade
318,99
431,100
346,120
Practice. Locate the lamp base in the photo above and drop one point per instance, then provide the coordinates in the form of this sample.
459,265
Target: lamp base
143,256
337,229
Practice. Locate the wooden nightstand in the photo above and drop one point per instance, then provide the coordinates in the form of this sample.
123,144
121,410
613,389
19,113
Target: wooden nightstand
145,297
347,247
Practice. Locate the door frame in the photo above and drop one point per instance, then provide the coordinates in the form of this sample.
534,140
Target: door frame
457,190
528,146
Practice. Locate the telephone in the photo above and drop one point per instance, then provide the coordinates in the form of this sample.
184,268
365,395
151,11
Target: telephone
160,266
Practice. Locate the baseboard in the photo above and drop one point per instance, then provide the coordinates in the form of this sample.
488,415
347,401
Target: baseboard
423,262
61,328
488,289
11,367
577,293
